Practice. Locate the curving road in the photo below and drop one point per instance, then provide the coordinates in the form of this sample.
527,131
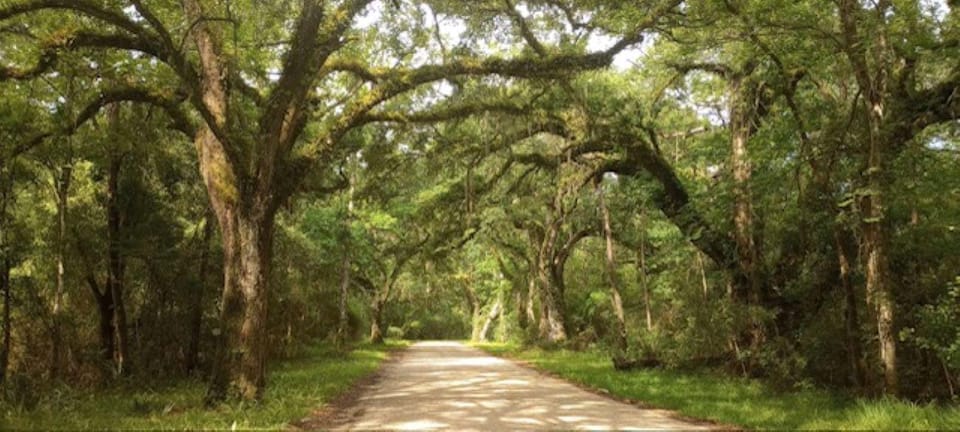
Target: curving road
446,385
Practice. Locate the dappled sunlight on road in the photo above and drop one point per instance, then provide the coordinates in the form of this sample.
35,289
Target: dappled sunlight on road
445,385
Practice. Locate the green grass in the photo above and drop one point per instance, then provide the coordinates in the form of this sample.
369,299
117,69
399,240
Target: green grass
732,401
294,389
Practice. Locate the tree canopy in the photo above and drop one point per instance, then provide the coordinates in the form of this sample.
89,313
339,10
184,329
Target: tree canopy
768,187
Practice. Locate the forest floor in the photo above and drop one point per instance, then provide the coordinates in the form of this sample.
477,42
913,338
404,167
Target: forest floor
446,385
747,403
295,387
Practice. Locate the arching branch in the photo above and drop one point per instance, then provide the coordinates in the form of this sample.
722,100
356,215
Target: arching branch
140,95
83,39
83,7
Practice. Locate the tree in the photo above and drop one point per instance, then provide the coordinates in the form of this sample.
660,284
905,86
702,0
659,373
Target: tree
253,139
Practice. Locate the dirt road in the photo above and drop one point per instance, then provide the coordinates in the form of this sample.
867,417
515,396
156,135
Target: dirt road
446,385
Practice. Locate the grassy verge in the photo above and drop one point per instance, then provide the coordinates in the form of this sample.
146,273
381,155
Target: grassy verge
732,401
294,388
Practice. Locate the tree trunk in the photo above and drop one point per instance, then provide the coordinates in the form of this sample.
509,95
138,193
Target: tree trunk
342,320
642,271
192,360
851,317
246,220
742,118
376,321
613,278
240,362
104,308
5,265
107,338
474,304
874,243
529,306
879,295
63,191
744,108
552,322
491,317
874,87
116,266
520,306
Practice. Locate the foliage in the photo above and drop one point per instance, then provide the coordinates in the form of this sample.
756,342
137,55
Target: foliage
300,385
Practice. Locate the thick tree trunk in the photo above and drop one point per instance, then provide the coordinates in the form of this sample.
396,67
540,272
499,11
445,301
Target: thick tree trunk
192,360
613,278
116,266
240,361
246,220
553,327
63,191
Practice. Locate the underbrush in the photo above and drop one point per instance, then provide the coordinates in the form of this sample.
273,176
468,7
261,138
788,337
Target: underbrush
294,388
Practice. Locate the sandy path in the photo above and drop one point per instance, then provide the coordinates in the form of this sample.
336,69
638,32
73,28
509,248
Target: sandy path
446,385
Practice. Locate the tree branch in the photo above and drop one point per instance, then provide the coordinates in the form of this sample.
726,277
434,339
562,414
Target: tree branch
83,7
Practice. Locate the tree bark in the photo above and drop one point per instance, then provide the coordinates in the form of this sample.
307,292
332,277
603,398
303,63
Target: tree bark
342,320
613,279
520,305
491,317
474,304
192,360
874,87
62,190
376,321
241,354
529,307
5,266
743,100
104,308
552,323
744,117
246,220
851,318
116,265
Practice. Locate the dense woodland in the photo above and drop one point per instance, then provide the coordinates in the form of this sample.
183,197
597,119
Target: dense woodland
198,188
